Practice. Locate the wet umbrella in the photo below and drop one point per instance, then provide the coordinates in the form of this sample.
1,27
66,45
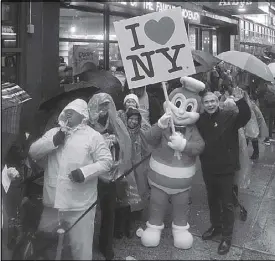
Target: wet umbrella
97,81
204,61
247,62
271,66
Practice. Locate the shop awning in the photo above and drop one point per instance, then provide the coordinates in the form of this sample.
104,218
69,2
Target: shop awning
211,19
238,7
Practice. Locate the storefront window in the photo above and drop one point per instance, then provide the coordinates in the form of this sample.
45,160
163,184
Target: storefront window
214,44
75,24
114,54
246,27
192,37
112,31
10,54
9,66
205,41
77,29
66,50
251,27
9,19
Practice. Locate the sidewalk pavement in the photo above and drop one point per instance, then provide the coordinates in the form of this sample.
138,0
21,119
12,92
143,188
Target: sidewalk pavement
253,239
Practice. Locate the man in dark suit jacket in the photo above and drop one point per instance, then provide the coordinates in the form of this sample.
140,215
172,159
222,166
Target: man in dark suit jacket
220,161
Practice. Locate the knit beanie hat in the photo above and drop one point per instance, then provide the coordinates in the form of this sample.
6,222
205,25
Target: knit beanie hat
133,97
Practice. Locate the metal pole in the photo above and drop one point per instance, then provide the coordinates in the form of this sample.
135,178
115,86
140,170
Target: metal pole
60,232
30,12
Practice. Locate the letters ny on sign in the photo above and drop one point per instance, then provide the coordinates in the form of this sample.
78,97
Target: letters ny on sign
154,47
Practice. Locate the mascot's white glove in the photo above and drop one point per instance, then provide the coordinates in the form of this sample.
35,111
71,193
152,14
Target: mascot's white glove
177,142
163,122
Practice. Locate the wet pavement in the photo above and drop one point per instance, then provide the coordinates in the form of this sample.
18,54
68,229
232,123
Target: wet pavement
253,239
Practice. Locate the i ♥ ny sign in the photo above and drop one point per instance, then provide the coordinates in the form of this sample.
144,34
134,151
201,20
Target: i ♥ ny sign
154,48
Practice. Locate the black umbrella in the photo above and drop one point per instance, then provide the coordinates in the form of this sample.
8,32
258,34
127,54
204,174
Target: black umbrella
204,61
97,81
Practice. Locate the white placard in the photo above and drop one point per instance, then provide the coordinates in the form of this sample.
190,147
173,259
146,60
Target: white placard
5,179
154,47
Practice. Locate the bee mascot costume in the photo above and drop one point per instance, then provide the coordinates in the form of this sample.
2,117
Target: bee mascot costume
173,164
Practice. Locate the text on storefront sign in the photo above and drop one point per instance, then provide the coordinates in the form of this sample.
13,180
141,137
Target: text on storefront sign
159,6
235,3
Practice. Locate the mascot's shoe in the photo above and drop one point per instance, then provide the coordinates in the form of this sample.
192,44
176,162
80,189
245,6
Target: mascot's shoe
183,239
150,237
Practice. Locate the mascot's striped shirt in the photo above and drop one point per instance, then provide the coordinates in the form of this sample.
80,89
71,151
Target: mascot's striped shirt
167,172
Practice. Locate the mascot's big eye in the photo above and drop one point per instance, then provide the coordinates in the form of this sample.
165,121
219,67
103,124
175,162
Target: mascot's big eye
191,105
178,100
178,104
189,108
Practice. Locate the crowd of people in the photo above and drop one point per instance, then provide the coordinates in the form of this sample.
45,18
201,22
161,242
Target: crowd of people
88,154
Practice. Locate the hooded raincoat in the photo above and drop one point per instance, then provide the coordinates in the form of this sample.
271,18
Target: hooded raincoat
115,126
84,149
135,188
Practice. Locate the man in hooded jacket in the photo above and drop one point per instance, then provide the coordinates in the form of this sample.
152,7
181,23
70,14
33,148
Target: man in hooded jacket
75,155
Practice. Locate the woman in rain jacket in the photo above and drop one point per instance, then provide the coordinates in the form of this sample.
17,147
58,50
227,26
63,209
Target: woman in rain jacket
135,186
131,100
104,118
75,156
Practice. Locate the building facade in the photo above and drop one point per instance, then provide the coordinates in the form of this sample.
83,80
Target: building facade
35,35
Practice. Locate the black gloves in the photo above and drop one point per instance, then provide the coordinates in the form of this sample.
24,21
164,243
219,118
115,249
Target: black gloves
58,138
77,176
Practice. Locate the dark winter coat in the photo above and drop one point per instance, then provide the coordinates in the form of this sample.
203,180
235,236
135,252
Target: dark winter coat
220,133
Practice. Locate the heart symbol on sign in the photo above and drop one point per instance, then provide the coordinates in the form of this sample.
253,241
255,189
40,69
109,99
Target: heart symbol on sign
161,31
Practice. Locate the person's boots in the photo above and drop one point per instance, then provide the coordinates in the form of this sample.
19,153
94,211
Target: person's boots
255,154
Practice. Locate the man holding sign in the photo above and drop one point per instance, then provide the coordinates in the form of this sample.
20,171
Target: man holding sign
155,48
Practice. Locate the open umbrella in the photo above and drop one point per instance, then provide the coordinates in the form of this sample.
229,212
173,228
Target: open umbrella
96,81
247,62
204,61
271,66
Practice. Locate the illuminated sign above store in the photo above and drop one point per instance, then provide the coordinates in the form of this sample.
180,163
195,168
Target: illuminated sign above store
236,7
189,15
235,3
